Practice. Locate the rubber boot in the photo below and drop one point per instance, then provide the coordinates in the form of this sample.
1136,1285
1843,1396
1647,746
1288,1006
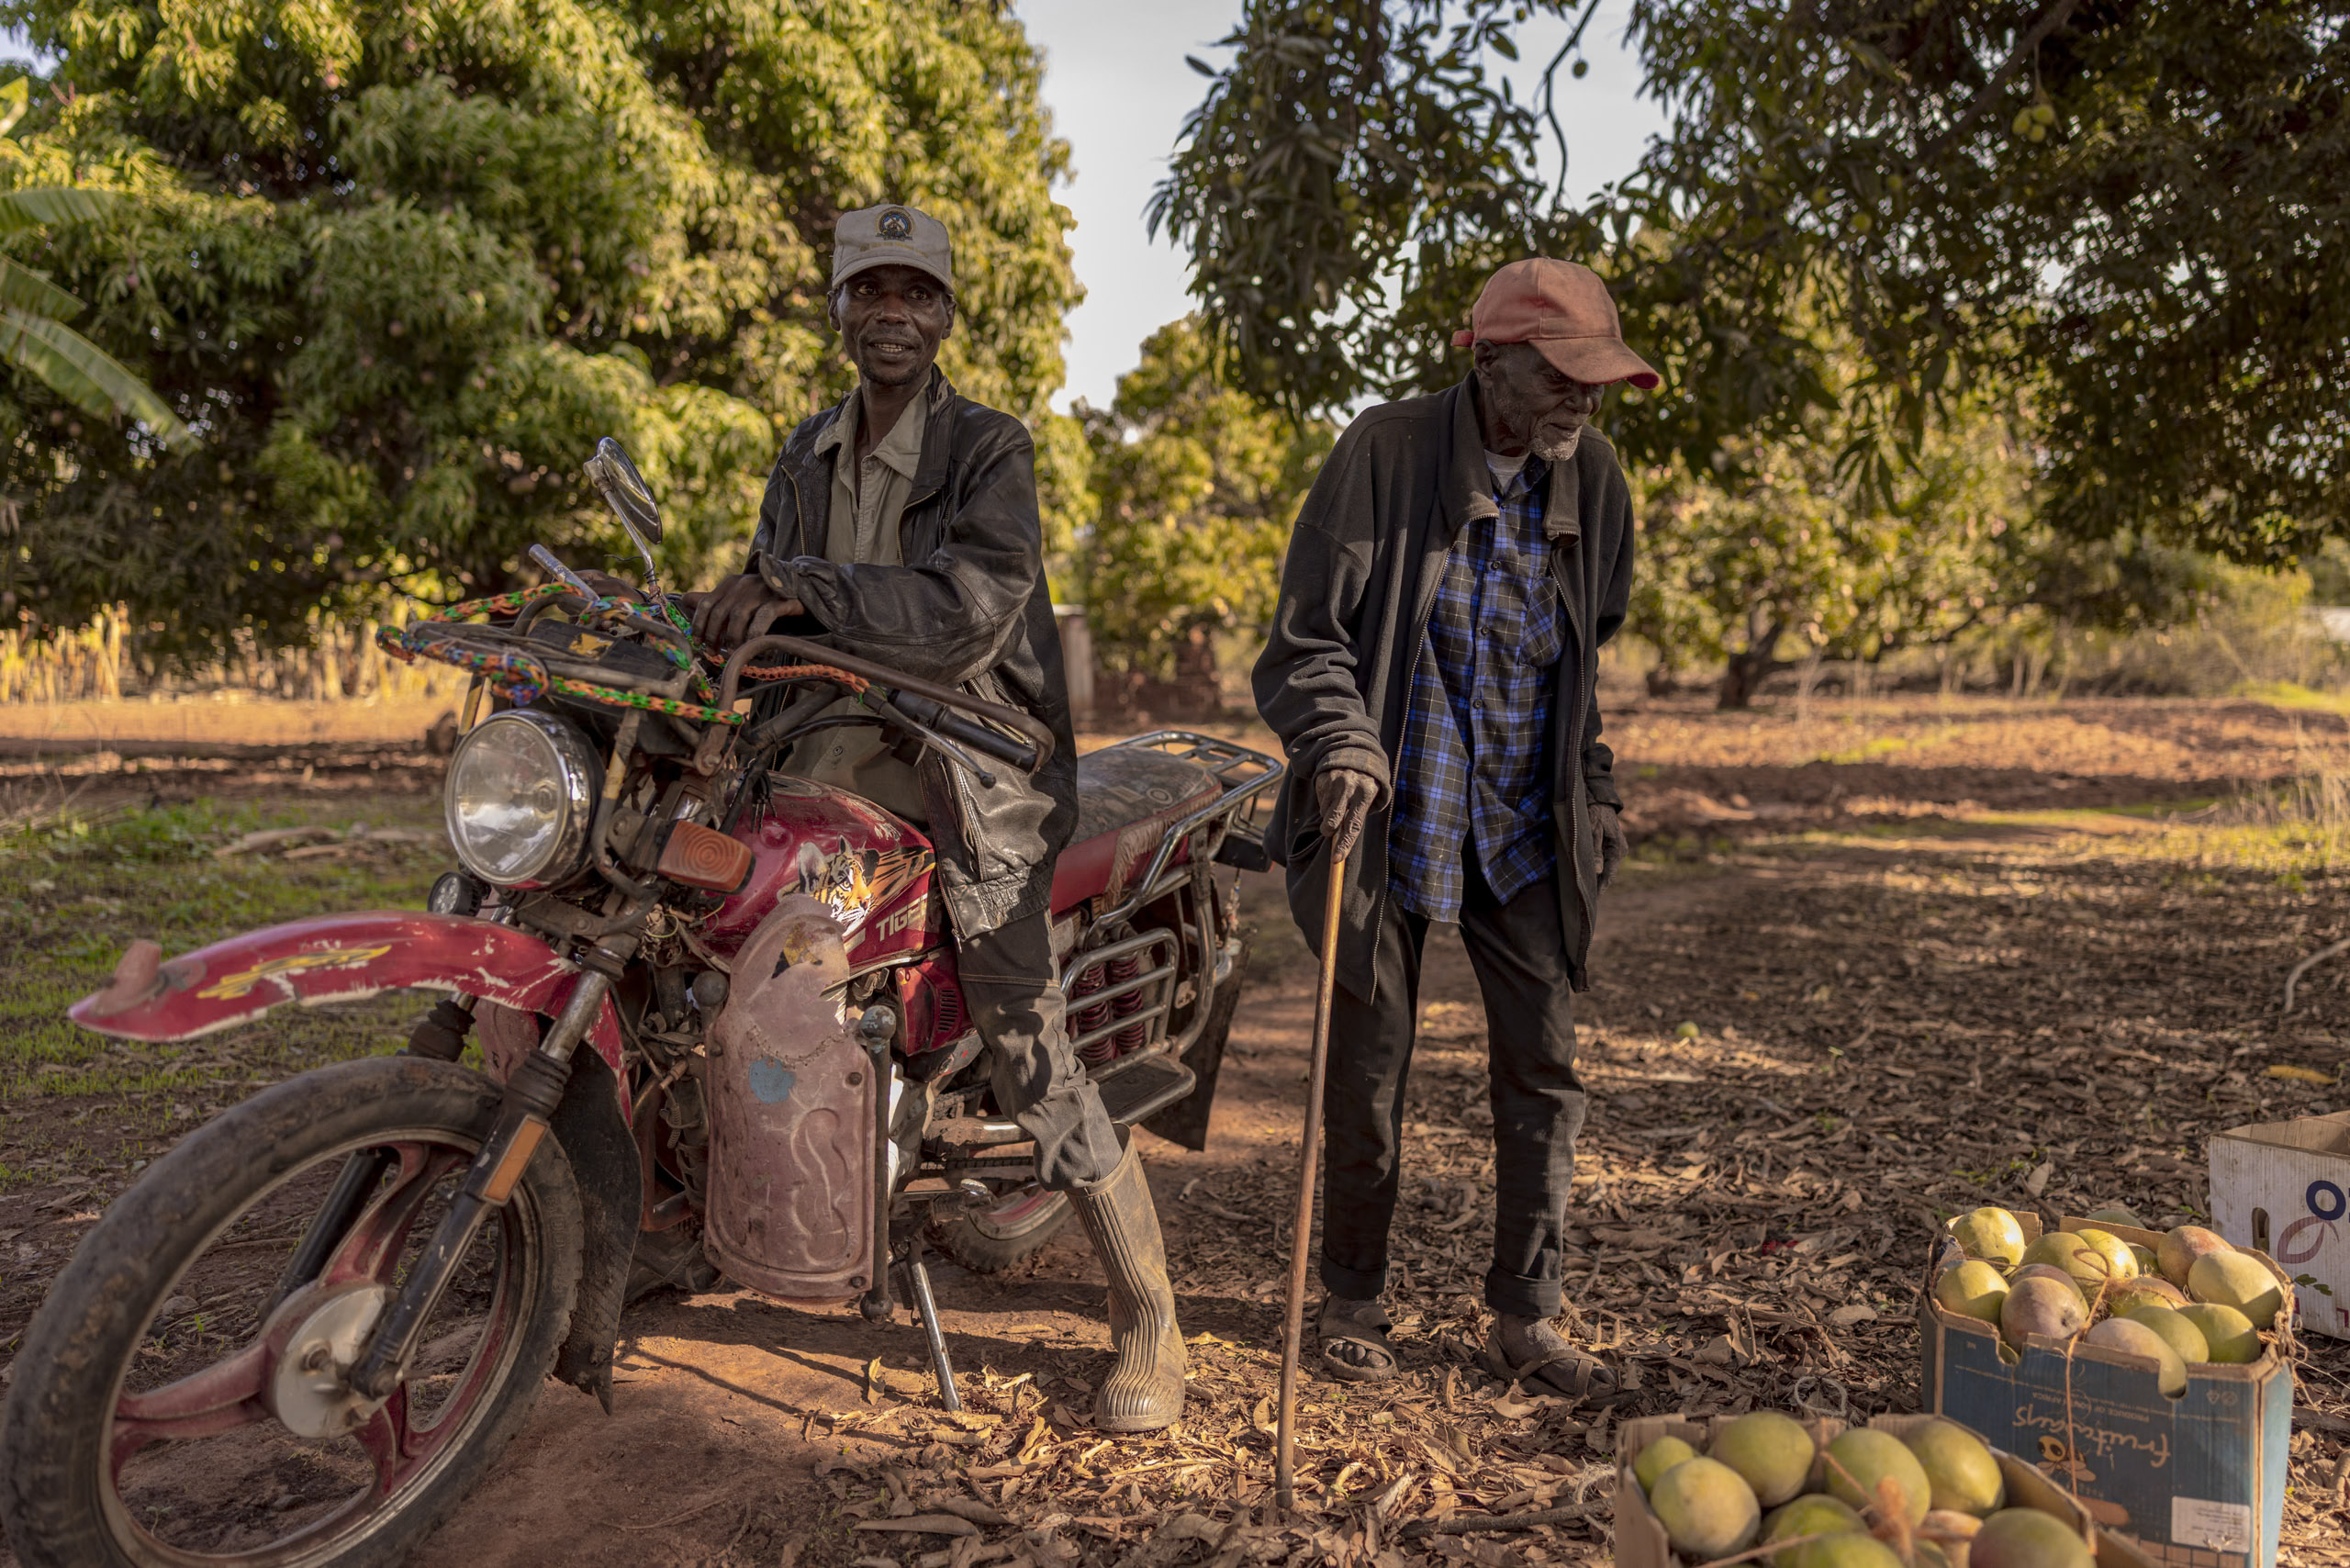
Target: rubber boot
1145,1391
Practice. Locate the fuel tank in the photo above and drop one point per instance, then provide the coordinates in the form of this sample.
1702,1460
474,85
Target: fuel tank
872,870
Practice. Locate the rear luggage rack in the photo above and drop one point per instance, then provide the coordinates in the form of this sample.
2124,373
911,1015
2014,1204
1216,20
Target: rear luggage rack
1244,777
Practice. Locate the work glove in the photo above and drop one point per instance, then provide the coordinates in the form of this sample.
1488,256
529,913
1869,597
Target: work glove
1607,837
1345,798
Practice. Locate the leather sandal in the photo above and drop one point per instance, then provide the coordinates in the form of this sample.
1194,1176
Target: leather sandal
1555,1366
1364,1325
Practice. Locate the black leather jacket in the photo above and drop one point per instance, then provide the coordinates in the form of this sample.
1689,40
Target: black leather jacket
969,609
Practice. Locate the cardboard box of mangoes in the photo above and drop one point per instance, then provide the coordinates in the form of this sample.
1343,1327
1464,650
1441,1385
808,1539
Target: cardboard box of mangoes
1903,1492
2146,1370
2283,1187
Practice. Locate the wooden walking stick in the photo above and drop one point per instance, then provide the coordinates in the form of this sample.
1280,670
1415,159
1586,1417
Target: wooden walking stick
1309,1159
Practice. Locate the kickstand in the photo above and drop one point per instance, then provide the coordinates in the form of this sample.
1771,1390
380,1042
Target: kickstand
917,1279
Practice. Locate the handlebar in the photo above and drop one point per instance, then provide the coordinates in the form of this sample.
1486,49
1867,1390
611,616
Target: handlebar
967,732
906,691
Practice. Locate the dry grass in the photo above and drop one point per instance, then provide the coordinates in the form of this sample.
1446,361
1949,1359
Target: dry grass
226,718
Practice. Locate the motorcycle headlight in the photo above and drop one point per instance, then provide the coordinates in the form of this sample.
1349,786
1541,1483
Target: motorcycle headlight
520,797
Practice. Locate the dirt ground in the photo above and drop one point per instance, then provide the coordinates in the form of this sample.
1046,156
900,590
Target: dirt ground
1872,965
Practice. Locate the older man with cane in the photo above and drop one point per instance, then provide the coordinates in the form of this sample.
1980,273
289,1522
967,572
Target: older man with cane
1431,673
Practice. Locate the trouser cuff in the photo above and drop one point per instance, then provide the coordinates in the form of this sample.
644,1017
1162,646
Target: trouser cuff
1514,1296
1353,1284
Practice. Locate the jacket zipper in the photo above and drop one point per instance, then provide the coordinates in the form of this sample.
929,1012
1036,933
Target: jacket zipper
1570,753
1425,607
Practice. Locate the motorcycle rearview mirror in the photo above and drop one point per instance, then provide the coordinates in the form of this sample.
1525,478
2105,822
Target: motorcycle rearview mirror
615,477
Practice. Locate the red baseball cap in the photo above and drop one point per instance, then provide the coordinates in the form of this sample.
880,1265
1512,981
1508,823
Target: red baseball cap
1564,309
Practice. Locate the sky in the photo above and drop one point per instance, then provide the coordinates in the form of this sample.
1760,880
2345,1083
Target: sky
1118,90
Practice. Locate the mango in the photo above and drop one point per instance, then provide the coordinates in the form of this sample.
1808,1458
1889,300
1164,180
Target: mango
2227,1333
1846,1549
1658,1457
2145,1291
2237,1280
1952,1533
2147,1262
2183,1336
1990,1233
1961,1474
2115,1251
2048,1308
1771,1452
2048,1271
2177,1250
1863,1457
2129,1335
2115,1214
2077,1255
1707,1509
1815,1513
2026,1538
1949,1521
1973,1289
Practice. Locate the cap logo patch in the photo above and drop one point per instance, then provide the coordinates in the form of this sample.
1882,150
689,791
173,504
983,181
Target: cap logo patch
896,224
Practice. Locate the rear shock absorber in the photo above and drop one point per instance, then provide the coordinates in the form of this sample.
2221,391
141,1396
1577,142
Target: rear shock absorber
1085,1020
1132,1036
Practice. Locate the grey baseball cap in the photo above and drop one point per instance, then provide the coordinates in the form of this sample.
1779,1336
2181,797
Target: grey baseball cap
891,236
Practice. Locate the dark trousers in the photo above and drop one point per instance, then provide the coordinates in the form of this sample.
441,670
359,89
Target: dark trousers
1520,954
1015,1001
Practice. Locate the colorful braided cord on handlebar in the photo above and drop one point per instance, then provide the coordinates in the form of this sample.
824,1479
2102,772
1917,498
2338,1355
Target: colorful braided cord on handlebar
518,675
840,678
514,603
523,679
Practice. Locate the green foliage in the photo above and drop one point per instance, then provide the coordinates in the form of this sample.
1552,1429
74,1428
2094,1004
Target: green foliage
401,262
1064,499
2137,210
33,311
1780,556
1195,486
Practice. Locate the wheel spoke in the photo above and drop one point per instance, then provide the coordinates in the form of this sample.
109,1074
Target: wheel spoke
376,1238
224,1394
388,1442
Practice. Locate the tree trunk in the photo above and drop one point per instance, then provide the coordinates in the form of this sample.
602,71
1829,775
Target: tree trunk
1659,679
1742,675
1744,671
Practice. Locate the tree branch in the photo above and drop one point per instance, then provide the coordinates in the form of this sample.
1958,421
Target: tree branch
2050,20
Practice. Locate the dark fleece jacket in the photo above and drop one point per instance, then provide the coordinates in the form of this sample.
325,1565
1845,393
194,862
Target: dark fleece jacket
1356,589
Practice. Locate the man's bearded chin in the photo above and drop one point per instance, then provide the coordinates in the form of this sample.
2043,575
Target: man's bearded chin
1554,446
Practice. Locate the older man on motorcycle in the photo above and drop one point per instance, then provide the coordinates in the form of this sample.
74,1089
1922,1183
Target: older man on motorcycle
901,525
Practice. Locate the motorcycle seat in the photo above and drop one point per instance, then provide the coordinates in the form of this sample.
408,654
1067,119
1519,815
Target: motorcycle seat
1127,797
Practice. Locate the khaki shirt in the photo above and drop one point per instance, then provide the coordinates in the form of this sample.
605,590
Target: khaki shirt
868,507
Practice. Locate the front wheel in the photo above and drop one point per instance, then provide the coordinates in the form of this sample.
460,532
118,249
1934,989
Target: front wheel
177,1400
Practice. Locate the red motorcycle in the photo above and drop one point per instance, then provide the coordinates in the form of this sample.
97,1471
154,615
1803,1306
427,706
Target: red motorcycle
715,1031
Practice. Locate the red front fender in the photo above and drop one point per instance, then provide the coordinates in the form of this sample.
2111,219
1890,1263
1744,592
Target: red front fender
335,957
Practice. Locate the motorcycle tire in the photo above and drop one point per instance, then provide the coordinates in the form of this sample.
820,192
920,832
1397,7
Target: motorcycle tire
992,1240
62,1464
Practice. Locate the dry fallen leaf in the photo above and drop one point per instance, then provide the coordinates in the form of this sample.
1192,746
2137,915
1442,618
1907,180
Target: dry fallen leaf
921,1524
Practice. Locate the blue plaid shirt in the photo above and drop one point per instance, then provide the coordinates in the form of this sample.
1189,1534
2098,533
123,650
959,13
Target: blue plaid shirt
1470,767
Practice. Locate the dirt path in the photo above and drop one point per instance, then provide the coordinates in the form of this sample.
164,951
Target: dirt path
1816,1025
